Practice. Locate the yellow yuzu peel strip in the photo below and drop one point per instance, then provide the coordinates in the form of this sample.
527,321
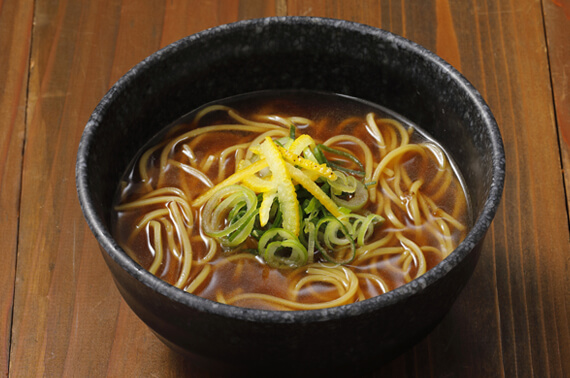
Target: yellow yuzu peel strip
233,179
300,161
300,143
265,207
281,163
285,189
314,189
257,184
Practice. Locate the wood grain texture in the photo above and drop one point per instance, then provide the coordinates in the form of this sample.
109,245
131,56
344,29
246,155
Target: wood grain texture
530,268
15,36
520,309
68,318
63,293
557,25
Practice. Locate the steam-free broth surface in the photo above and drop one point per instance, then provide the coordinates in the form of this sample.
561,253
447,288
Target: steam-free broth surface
409,209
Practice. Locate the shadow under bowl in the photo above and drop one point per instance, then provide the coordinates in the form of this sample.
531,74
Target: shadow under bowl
291,53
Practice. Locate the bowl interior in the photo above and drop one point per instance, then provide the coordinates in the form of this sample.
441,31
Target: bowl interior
291,53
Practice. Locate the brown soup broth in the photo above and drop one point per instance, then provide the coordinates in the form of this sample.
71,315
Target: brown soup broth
432,223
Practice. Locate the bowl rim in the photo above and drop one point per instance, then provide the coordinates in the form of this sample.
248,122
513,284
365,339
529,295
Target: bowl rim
475,235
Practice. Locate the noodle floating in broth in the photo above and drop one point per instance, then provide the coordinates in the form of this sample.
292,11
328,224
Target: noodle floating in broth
290,201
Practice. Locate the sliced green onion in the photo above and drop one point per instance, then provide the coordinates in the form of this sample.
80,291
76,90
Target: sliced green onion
357,200
367,228
278,219
275,221
292,130
284,142
280,248
321,159
230,210
285,254
344,169
308,154
345,154
310,231
313,206
338,249
239,236
343,183
361,227
344,210
271,235
234,213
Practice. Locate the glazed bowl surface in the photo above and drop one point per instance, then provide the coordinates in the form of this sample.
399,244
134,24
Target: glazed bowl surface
291,53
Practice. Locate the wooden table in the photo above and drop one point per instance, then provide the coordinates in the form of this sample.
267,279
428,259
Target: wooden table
60,314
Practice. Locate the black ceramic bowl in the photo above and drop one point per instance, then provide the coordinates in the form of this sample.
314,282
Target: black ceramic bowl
291,53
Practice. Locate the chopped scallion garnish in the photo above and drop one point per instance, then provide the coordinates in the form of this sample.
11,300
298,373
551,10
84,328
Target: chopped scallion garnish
298,208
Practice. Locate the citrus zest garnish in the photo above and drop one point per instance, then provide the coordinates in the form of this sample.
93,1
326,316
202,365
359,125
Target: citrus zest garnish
314,189
233,179
300,161
302,142
265,207
285,189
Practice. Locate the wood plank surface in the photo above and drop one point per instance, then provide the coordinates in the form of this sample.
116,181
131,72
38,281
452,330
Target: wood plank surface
62,288
60,312
15,36
557,23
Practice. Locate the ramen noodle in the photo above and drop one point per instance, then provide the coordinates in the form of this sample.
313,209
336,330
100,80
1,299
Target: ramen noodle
290,201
